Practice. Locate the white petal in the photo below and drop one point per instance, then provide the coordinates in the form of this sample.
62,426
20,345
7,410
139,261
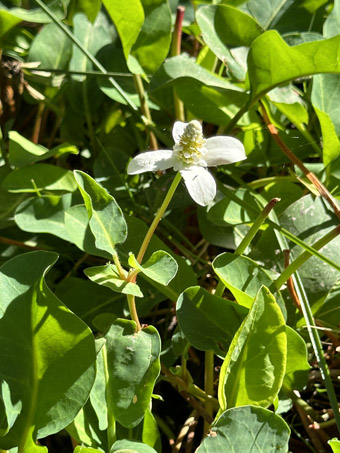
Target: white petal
200,184
151,161
178,129
223,150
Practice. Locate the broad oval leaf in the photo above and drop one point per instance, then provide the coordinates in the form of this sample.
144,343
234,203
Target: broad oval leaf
297,362
45,214
272,62
154,39
207,321
253,370
106,219
223,25
248,429
160,267
128,18
133,365
243,277
92,36
40,177
41,339
78,229
108,276
51,47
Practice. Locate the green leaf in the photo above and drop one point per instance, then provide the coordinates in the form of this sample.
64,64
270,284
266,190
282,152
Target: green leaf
112,58
272,62
36,14
310,219
128,18
78,229
160,267
230,212
154,39
213,104
297,362
330,140
184,66
51,47
223,26
130,446
267,12
249,429
108,276
40,177
44,214
207,321
92,36
23,152
185,276
89,301
107,221
332,22
241,275
253,370
329,311
133,365
44,339
8,201
9,410
90,8
97,395
7,22
335,445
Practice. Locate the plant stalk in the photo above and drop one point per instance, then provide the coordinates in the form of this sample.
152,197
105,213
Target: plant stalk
158,217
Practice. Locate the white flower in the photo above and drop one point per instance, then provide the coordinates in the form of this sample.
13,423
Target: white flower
190,156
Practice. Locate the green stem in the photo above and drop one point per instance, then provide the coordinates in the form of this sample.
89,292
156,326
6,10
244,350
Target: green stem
158,217
255,227
93,60
133,311
297,263
111,422
145,108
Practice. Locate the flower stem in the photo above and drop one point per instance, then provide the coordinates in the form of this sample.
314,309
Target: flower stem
158,217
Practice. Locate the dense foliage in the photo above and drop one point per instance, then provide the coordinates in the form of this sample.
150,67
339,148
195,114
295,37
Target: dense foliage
138,318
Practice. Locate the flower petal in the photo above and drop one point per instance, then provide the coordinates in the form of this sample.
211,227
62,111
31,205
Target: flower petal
223,150
200,184
151,161
178,129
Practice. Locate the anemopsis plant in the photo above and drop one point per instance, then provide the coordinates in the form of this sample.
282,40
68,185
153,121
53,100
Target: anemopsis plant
191,156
